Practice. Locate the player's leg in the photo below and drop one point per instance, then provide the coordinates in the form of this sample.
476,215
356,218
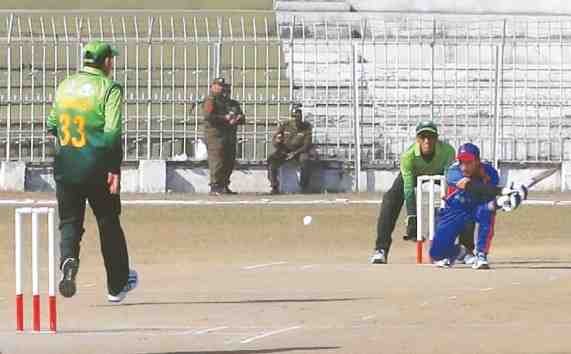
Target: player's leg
215,151
391,206
275,160
486,220
467,240
305,171
229,162
71,210
107,210
451,222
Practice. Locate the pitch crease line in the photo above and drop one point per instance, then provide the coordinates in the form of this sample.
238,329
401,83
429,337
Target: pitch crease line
263,265
267,334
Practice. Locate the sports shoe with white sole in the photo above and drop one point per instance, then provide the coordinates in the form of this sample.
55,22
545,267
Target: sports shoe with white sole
132,283
379,257
481,262
69,269
443,263
470,259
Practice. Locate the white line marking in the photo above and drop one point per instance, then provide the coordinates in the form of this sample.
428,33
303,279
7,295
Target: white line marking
267,334
263,265
89,285
452,297
209,330
155,202
309,266
487,289
370,317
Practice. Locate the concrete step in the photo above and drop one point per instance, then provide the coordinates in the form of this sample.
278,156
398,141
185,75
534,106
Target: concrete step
321,5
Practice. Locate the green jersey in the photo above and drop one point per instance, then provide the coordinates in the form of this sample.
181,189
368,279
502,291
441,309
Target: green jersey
413,165
86,119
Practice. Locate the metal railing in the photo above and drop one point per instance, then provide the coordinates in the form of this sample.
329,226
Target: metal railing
502,83
166,63
364,79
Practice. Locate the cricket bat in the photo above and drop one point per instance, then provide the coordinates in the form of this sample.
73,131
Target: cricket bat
540,177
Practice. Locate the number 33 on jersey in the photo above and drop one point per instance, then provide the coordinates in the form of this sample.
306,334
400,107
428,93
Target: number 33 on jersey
67,125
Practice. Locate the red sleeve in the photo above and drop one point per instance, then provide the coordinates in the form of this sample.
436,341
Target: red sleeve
208,106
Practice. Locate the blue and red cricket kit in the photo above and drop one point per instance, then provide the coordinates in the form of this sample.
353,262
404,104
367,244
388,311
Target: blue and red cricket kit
461,208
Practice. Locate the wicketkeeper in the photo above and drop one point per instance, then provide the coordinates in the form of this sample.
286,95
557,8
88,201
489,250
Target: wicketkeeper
428,156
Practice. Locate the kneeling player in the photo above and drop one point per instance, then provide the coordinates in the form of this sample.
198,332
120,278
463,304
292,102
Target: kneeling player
473,187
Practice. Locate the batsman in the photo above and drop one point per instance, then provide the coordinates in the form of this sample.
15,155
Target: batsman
86,120
471,198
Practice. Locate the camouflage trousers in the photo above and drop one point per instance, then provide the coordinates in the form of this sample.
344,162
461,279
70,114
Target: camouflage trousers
278,158
221,158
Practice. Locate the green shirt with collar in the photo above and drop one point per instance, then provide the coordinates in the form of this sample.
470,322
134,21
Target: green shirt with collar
413,165
86,118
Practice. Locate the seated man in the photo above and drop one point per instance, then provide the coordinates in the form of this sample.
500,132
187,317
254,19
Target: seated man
292,141
472,191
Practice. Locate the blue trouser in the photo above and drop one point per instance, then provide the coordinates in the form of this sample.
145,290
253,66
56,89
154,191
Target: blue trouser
452,221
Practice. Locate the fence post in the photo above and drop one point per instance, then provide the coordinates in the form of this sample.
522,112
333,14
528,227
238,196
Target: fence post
79,25
291,57
498,97
357,121
150,86
218,51
432,44
9,88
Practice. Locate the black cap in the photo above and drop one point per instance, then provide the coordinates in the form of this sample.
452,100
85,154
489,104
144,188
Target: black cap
219,81
426,126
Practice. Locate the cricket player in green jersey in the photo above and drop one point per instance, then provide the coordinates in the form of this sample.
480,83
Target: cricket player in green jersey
86,120
428,156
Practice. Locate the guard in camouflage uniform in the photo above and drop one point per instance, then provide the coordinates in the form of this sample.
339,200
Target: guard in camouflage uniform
292,141
86,120
229,155
220,131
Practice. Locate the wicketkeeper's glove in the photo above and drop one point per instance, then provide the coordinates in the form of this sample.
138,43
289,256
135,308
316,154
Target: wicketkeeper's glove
410,228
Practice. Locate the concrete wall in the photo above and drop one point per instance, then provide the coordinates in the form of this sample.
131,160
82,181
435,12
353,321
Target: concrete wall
468,6
562,7
329,176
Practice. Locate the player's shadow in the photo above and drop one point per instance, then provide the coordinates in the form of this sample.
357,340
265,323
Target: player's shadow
532,264
255,351
231,302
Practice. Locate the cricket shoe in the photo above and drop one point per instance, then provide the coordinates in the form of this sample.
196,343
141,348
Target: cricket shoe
216,190
470,259
132,283
379,257
69,269
443,263
465,257
481,262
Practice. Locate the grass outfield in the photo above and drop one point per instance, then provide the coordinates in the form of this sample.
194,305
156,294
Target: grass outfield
254,280
343,232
